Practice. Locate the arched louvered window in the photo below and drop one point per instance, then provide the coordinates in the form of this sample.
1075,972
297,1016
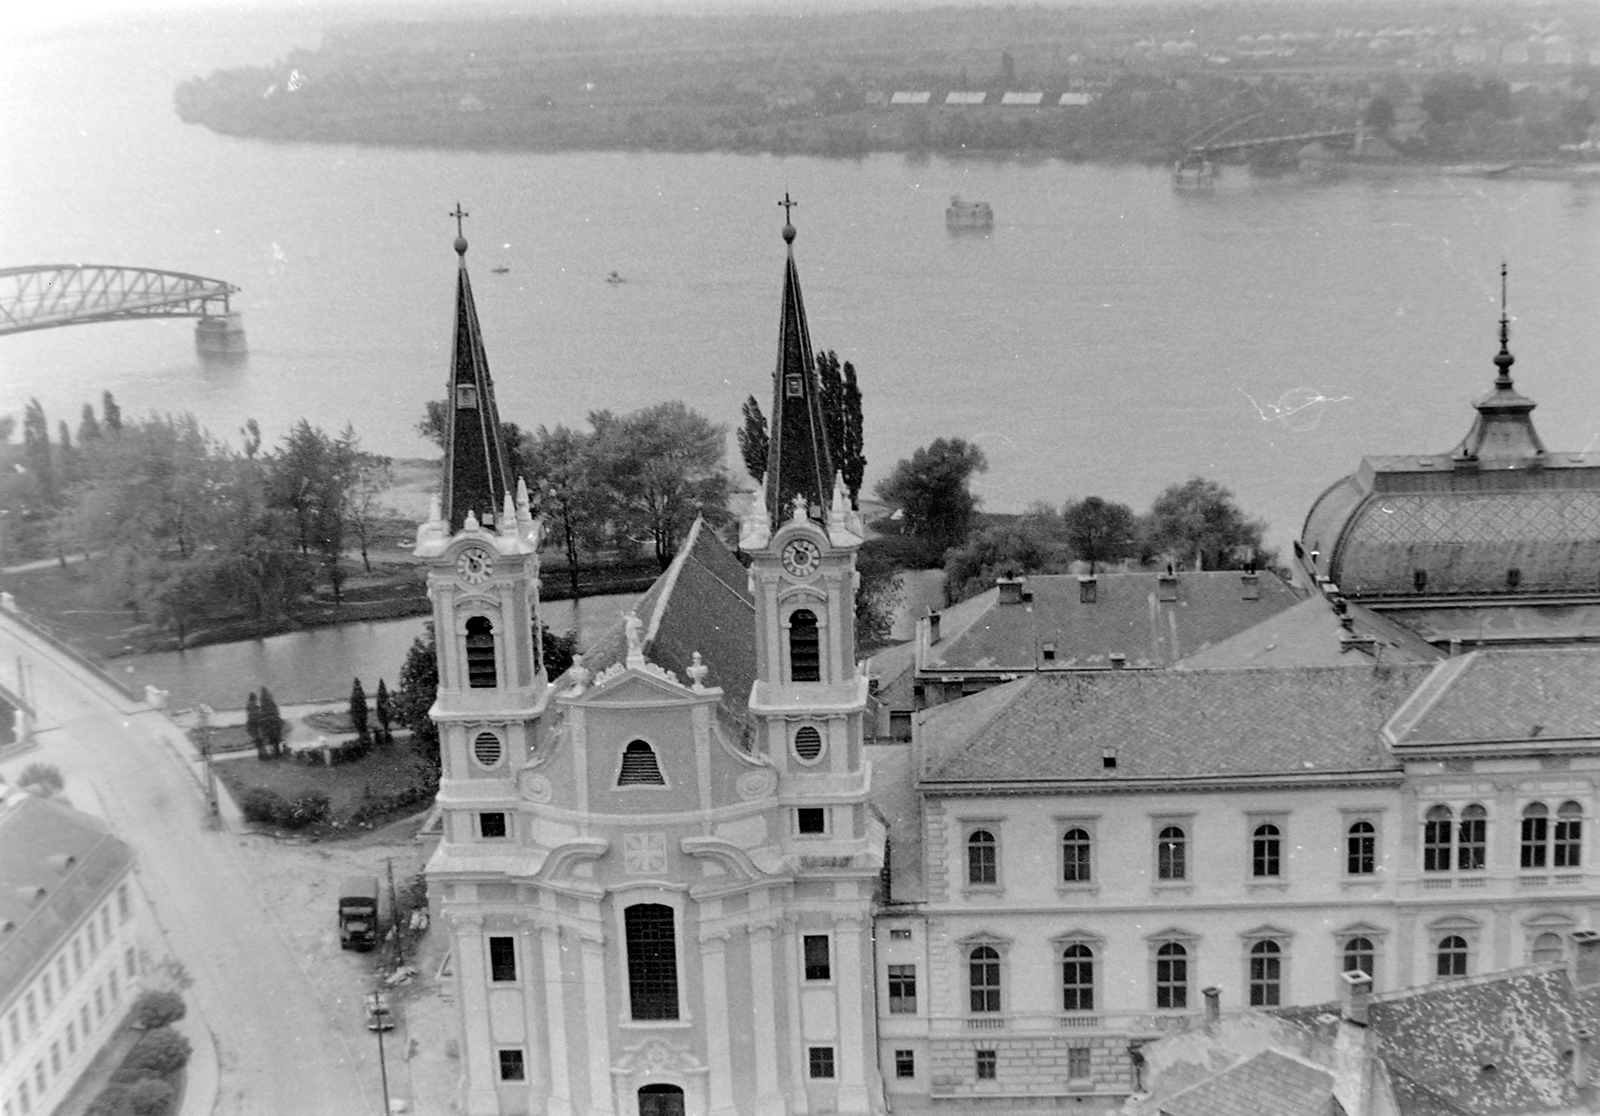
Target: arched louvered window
652,961
639,767
481,672
486,749
808,743
805,647
1547,947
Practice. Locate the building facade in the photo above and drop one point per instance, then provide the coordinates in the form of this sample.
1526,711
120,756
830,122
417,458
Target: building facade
69,960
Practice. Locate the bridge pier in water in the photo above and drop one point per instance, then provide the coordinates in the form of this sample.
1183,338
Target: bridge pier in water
221,337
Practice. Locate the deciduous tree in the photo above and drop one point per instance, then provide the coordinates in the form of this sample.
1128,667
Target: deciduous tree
1199,521
930,491
561,477
1010,549
1100,531
419,686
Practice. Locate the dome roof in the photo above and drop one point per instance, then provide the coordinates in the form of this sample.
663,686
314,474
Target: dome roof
1497,515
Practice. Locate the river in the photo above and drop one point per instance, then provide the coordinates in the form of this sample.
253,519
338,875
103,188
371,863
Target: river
1108,337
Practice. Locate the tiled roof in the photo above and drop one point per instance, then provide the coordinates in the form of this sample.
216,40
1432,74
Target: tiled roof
1270,1084
1309,634
1418,1100
701,603
1126,617
896,801
44,895
1563,621
1168,724
1489,1045
892,667
1550,693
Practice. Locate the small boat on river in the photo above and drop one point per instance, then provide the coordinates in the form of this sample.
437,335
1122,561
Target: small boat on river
1194,172
501,270
614,278
968,215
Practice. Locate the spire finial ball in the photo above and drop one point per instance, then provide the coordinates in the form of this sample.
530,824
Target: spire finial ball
461,246
788,234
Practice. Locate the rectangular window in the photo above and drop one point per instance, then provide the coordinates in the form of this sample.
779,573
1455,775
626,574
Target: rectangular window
902,990
1472,842
900,935
55,1057
116,993
987,1063
811,820
1078,1063
61,973
31,1006
821,1061
45,986
900,724
816,955
511,1068
131,959
77,958
905,1063
652,960
502,959
123,908
72,1038
83,1014
105,923
94,940
491,823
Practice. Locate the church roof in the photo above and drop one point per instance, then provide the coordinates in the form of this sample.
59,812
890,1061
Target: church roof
1167,725
1153,619
701,603
1548,694
477,476
798,457
1496,516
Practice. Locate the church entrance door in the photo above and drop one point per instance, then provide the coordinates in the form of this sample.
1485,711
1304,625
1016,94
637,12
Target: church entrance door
661,1100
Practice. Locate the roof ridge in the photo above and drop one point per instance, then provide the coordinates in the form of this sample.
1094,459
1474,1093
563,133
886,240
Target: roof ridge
671,578
1427,695
1023,685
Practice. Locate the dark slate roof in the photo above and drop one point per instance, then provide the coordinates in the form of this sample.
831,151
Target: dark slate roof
1126,617
476,475
798,458
1168,725
893,667
1545,694
1270,1084
895,799
1310,634
1418,1100
38,835
701,603
1520,1021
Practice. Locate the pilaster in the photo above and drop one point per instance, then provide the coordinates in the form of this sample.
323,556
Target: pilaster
769,1099
591,950
853,1092
534,1022
719,1052
481,1098
555,1007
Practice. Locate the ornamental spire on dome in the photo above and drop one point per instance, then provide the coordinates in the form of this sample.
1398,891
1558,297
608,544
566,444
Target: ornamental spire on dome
1502,436
477,478
798,460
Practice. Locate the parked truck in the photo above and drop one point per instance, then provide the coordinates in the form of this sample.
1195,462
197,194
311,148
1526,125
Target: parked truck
358,913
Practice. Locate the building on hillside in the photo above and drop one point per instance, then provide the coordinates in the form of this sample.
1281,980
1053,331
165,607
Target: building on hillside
658,872
1493,543
69,961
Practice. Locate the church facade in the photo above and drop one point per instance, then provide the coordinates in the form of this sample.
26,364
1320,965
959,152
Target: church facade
658,873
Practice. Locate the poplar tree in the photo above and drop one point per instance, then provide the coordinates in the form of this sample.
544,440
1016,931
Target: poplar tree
272,726
112,412
358,711
88,426
754,442
384,712
252,724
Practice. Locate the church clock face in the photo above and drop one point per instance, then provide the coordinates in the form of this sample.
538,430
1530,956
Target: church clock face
474,566
801,558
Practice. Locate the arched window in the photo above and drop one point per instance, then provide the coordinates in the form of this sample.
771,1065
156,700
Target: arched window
983,978
1547,947
1361,849
805,650
1172,976
481,673
1452,956
1472,839
1568,836
639,767
1535,834
1359,956
808,743
652,961
1266,974
1265,851
982,864
1170,859
1436,833
1077,978
1075,856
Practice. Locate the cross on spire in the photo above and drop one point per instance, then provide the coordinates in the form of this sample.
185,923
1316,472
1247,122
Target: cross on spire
458,213
1505,322
787,205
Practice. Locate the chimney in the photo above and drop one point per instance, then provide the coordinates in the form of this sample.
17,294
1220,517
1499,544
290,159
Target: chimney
1455,646
1585,959
1118,660
1582,1052
1167,587
1250,586
1213,997
1010,589
1354,988
933,625
1088,590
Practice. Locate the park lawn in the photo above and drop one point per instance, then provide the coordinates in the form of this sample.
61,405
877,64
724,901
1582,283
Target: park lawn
387,769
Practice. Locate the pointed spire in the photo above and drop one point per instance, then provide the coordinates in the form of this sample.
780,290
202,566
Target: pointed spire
798,460
1502,436
476,474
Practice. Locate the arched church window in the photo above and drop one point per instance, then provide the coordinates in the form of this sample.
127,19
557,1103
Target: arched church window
652,961
639,767
481,670
805,649
808,743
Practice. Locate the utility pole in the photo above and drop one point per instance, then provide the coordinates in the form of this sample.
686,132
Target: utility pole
394,918
378,1013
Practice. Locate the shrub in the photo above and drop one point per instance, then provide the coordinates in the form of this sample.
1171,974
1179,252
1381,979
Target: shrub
262,806
112,1101
161,1052
268,807
46,776
156,1009
305,809
151,1097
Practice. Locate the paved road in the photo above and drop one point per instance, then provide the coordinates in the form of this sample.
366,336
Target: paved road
277,1050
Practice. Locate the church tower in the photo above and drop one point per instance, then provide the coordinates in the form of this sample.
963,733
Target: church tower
480,545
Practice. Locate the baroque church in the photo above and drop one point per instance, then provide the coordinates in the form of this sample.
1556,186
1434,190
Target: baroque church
692,877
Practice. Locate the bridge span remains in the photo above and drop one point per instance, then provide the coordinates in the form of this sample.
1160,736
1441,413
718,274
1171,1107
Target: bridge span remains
45,296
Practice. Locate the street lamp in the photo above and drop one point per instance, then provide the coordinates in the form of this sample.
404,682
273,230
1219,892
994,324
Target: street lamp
378,1020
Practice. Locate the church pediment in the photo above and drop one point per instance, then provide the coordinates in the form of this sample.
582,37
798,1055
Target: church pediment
629,686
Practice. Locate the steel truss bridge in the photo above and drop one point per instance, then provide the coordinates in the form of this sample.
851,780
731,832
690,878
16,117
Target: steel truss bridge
1272,141
49,295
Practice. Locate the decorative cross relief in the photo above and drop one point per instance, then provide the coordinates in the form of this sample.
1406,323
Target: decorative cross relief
644,854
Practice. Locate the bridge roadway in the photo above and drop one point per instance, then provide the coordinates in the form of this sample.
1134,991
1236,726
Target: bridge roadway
279,1053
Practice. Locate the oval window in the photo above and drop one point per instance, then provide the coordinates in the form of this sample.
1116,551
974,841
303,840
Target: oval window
486,747
808,744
